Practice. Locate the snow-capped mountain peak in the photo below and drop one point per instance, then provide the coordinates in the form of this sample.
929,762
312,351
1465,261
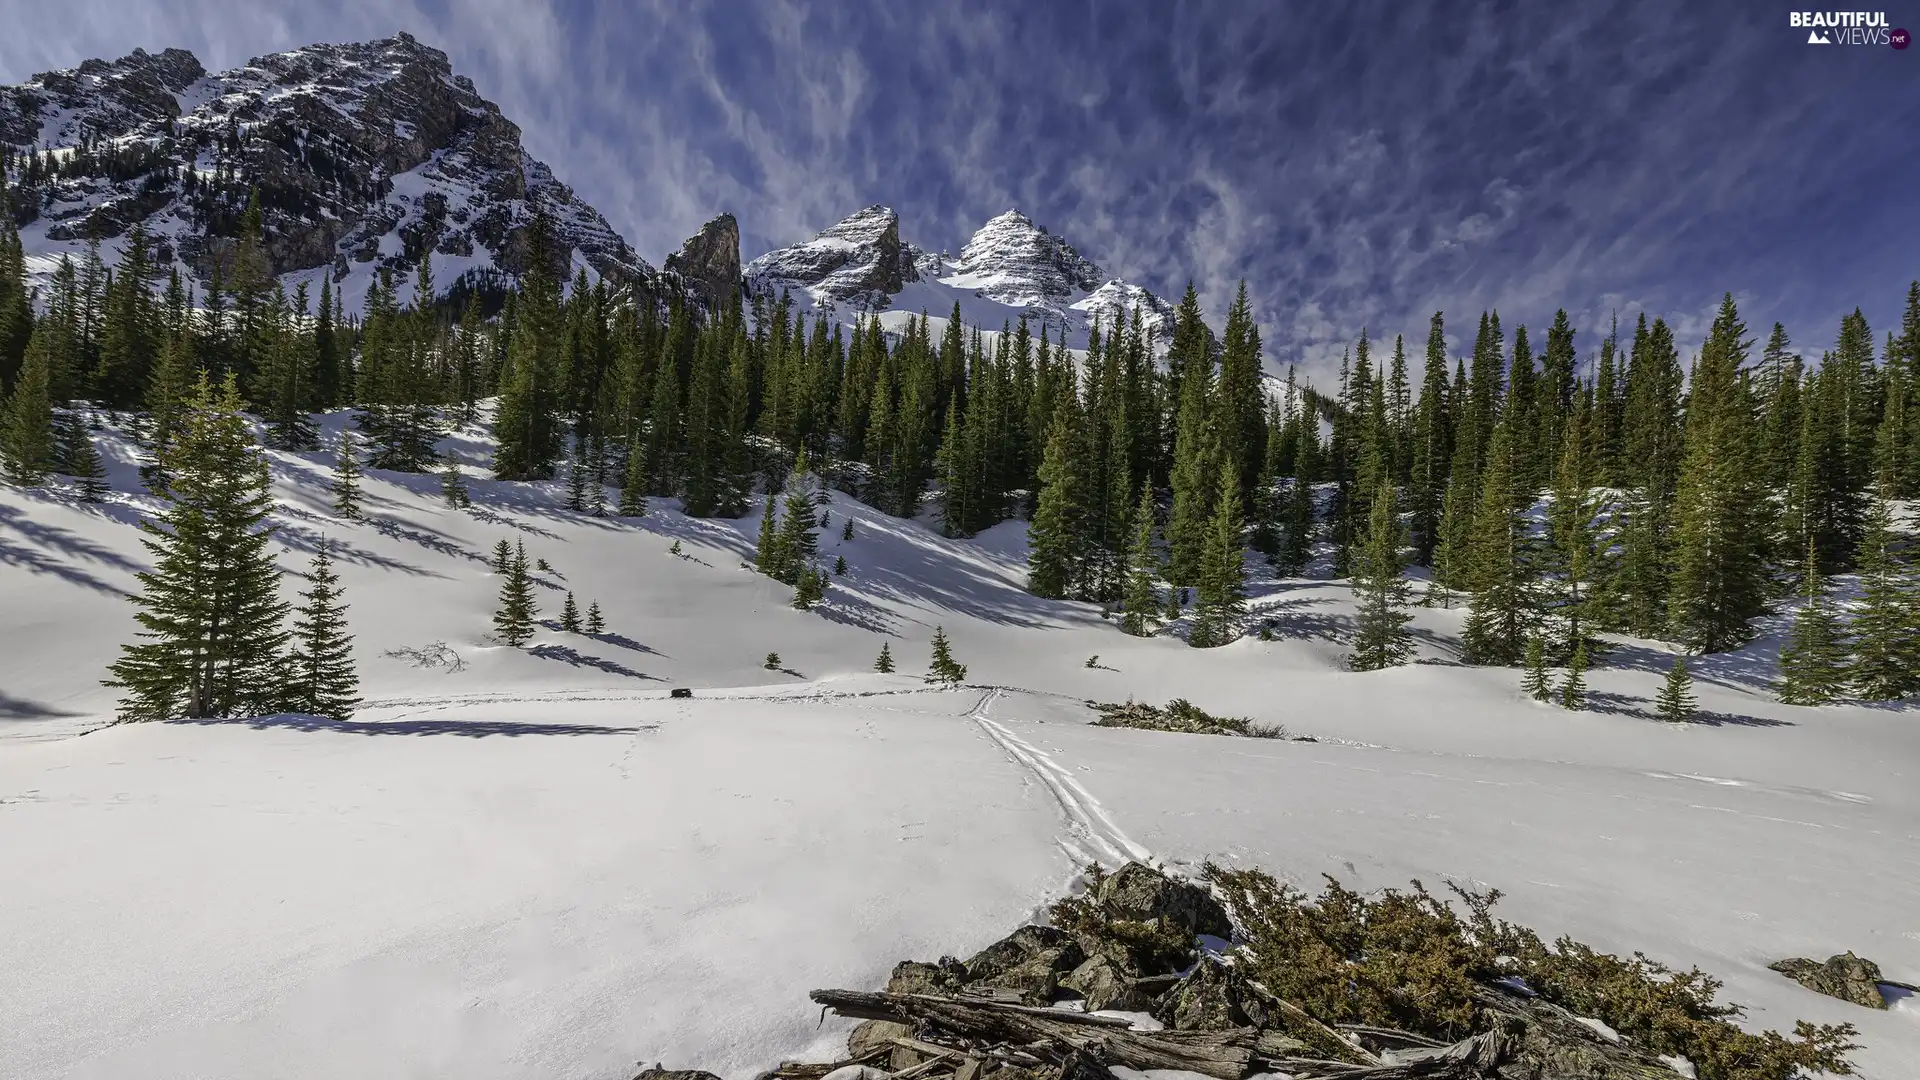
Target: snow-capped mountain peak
859,262
1014,261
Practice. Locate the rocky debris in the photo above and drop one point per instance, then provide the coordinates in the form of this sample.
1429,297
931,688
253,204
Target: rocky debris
860,262
1183,716
709,261
987,1019
658,1073
1845,976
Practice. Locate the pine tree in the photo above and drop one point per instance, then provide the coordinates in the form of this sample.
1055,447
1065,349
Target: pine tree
1381,638
1675,701
1813,665
346,478
570,615
846,530
1057,538
1535,683
210,613
502,556
167,394
1573,692
1222,569
453,485
513,620
79,459
323,682
798,542
884,662
839,566
633,484
943,669
768,555
809,588
1142,601
26,424
596,622
772,662
1499,576
1886,621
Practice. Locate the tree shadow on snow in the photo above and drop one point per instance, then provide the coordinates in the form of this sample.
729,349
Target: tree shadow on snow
472,729
573,657
481,513
1742,670
13,708
1601,701
304,539
436,542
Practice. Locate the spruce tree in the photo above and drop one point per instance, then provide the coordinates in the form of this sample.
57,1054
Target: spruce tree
324,682
570,615
1535,683
1222,569
846,529
772,662
809,587
1573,692
1886,621
884,662
1675,701
596,622
1813,662
1142,600
346,478
769,556
502,556
633,484
26,423
798,542
1500,577
1381,638
839,566
79,459
210,612
1056,538
943,668
167,393
453,485
513,620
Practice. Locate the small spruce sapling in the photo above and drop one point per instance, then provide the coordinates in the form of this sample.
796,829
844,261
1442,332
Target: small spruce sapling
346,478
596,623
453,485
884,663
846,530
1093,661
1573,692
944,669
840,566
674,549
773,661
570,615
1535,682
1675,700
502,556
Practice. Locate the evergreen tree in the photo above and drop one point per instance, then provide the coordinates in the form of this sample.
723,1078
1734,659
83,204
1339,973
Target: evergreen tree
1502,608
579,477
1535,683
1381,638
453,485
839,566
1142,601
513,620
1296,546
633,484
323,682
79,459
529,423
596,622
772,662
809,588
1886,622
1431,449
166,398
1675,701
570,615
26,424
1813,662
210,611
1057,537
1573,692
1222,568
943,669
502,561
884,662
798,542
346,478
768,554
846,529
1718,585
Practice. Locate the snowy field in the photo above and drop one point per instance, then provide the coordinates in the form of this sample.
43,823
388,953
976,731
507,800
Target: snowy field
533,863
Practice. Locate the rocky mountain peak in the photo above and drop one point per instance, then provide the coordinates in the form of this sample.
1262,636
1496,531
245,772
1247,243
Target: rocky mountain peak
859,261
57,108
710,259
1014,261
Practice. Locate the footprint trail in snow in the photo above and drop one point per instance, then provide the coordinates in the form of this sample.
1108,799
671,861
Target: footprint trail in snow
1091,836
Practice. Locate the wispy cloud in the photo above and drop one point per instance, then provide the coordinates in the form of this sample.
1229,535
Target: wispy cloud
1358,167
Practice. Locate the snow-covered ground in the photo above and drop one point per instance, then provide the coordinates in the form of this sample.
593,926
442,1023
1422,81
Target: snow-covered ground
534,863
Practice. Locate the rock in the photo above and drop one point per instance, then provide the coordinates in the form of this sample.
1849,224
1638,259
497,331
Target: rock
1846,976
658,1073
912,977
1105,984
1139,892
1213,997
710,260
859,261
870,1035
1029,961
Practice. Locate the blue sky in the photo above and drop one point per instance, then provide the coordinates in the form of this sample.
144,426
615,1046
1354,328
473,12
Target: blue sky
1359,167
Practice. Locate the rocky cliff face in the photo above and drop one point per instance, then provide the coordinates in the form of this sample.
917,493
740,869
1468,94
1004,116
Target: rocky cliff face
859,262
364,157
710,260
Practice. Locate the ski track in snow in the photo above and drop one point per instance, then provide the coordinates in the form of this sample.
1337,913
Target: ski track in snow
1091,836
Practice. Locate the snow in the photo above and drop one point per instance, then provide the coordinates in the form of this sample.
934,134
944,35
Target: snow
535,863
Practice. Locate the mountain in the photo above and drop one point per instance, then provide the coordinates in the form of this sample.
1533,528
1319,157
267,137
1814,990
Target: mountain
1011,267
364,157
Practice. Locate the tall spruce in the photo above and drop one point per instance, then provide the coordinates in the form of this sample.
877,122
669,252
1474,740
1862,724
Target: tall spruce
1813,667
211,619
323,680
1057,536
1886,622
26,424
1499,574
1381,638
345,487
1222,586
513,618
1141,603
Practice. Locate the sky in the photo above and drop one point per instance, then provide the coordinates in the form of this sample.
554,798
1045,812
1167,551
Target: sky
1358,168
